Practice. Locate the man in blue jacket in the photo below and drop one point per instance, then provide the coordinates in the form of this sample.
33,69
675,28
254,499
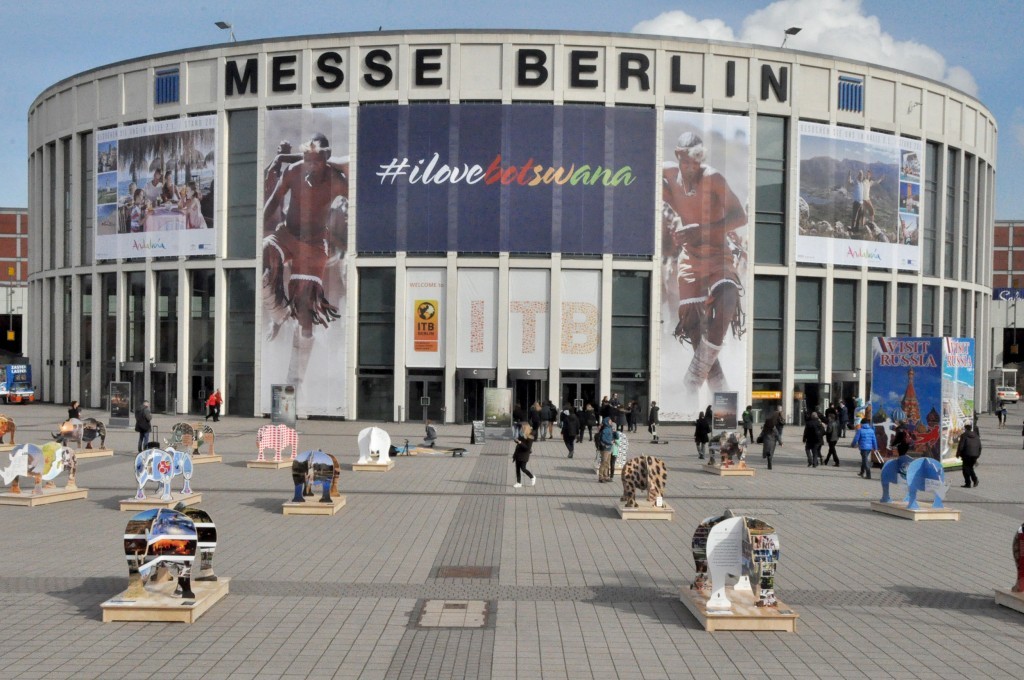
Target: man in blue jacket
866,442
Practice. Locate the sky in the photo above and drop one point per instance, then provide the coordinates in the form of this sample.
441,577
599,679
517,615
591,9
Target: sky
973,45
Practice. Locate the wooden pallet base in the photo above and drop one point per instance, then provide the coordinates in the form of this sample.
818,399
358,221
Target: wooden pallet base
1008,598
373,467
27,499
924,513
157,504
645,510
313,506
82,454
4,448
199,460
268,464
744,615
729,471
160,604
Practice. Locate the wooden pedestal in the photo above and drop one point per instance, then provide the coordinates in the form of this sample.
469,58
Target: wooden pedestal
162,606
1008,598
199,460
82,454
744,615
729,471
268,464
28,500
645,510
6,448
157,504
373,467
925,512
313,506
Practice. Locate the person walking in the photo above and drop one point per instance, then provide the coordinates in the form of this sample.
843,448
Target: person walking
535,421
518,419
143,424
844,418
702,435
831,437
75,410
634,415
550,413
780,423
866,442
521,456
570,426
769,437
652,422
590,417
605,438
747,420
814,434
213,405
969,450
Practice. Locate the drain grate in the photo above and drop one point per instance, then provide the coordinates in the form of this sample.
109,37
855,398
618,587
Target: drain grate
752,512
713,487
453,614
465,572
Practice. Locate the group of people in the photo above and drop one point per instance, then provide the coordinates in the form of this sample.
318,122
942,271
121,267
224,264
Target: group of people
572,421
160,191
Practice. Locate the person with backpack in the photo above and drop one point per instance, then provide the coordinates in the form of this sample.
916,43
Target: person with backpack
814,435
832,430
702,435
969,450
605,438
570,426
866,442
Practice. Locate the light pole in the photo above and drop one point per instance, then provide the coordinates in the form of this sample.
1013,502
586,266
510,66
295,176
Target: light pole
225,26
792,30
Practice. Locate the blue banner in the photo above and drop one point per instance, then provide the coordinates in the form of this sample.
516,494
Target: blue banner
521,178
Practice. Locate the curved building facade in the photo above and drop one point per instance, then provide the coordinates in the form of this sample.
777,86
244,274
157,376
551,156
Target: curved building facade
393,222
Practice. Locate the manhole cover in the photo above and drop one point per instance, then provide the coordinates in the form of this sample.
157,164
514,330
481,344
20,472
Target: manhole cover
453,614
465,572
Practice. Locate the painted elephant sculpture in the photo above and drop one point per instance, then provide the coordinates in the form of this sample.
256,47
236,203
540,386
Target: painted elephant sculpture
162,466
42,464
315,467
84,432
192,438
169,540
7,426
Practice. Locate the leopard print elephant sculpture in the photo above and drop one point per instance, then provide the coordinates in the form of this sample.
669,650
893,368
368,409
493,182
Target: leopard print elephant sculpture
640,473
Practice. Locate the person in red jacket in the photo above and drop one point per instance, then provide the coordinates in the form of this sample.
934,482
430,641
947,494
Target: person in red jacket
213,405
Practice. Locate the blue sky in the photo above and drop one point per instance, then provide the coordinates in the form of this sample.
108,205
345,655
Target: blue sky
974,45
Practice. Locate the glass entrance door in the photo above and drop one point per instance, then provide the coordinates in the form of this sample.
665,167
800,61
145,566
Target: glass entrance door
579,391
471,394
526,392
165,394
431,388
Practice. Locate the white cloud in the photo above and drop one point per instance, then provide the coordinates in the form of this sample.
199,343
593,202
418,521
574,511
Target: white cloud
836,27
682,24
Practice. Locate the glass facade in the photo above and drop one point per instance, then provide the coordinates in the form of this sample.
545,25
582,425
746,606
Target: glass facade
770,218
242,183
241,338
844,325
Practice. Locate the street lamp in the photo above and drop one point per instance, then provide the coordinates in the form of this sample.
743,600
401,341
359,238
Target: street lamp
792,30
225,26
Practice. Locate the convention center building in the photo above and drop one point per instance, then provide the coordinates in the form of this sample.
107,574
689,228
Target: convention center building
392,222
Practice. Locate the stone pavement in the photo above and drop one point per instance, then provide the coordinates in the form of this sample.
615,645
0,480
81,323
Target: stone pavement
440,569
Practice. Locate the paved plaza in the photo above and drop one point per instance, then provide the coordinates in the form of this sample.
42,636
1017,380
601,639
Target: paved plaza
441,569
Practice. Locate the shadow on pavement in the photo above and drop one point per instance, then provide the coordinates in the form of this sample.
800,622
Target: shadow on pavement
603,510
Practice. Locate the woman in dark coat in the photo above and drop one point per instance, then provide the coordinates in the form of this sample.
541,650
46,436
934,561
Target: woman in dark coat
521,456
